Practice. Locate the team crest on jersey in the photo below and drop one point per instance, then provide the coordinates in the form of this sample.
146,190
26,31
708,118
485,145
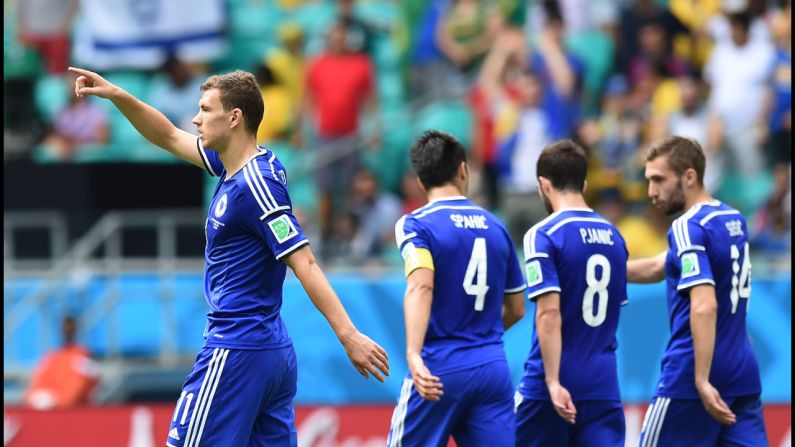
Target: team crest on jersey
690,265
283,176
220,208
533,273
282,228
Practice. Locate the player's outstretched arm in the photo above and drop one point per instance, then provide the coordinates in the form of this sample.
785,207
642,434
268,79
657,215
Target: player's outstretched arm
417,308
148,121
548,328
512,308
703,319
365,354
647,270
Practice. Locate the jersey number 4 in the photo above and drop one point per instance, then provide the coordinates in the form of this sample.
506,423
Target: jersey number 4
596,287
475,278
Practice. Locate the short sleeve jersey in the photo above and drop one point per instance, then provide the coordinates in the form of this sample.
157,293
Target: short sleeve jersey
583,257
709,245
250,228
475,265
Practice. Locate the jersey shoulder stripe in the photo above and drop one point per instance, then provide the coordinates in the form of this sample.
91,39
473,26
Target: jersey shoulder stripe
713,214
400,233
422,212
681,232
576,219
204,158
258,186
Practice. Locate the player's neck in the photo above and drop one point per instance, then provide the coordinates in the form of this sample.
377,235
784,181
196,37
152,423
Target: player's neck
699,196
565,200
444,192
237,154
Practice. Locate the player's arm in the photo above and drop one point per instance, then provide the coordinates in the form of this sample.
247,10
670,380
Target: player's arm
417,309
703,320
148,121
512,308
548,329
365,354
647,270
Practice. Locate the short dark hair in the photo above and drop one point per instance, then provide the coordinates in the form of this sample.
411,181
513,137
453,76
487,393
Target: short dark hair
435,157
239,89
683,154
565,164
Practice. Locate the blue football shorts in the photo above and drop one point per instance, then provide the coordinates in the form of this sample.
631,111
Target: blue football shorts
685,422
237,397
476,409
598,423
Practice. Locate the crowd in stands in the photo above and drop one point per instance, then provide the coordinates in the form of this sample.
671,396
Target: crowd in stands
348,84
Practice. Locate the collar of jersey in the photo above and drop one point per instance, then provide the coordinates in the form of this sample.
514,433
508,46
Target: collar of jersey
447,199
262,151
589,210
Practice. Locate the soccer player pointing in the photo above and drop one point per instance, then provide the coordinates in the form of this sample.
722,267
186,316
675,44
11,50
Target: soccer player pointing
464,288
575,262
241,389
707,272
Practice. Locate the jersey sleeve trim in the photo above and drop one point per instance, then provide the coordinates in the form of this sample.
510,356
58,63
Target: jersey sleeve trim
530,256
292,249
690,248
400,235
516,289
535,294
204,158
695,283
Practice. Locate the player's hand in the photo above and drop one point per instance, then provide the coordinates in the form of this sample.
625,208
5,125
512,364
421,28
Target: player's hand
90,83
366,355
714,405
561,400
428,385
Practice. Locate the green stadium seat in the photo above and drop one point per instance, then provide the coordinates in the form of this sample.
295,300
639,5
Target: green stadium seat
51,95
454,118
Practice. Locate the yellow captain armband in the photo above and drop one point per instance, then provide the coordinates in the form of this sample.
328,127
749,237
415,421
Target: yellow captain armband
415,258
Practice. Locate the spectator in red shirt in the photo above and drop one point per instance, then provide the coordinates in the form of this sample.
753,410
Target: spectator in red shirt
66,377
340,87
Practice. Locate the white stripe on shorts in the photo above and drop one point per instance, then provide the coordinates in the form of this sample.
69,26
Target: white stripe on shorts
399,416
210,401
204,391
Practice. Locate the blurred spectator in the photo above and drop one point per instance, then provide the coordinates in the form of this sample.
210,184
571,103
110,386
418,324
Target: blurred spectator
581,16
277,122
634,16
645,235
522,129
694,121
361,33
615,138
376,212
738,72
465,33
65,377
654,50
175,91
412,193
427,69
82,122
340,88
561,73
45,25
288,62
695,15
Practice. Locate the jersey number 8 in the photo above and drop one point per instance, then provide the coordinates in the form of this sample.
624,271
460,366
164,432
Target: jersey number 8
596,287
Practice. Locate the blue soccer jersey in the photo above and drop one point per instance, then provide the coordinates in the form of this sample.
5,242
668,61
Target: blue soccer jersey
475,265
250,228
583,257
709,245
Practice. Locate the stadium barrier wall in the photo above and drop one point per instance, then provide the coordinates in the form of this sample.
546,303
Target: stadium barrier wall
326,376
318,426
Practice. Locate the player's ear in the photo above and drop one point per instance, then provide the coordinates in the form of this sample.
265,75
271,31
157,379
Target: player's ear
690,177
236,118
584,186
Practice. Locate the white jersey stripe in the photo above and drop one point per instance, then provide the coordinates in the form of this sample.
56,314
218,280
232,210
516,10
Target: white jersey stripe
254,192
677,238
255,179
575,219
204,157
660,422
210,401
447,207
259,178
202,395
716,214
